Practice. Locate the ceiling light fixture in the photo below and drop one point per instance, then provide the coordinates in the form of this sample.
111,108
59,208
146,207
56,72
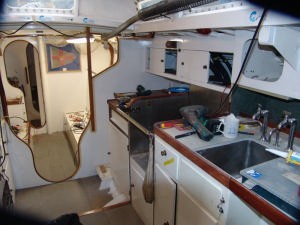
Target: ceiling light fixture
80,40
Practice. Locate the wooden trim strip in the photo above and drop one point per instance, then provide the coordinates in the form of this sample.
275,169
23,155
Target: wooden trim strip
104,208
90,78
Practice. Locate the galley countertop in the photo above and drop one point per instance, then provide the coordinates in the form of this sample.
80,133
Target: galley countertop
188,146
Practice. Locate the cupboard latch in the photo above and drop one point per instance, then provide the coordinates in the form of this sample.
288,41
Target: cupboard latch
163,153
219,206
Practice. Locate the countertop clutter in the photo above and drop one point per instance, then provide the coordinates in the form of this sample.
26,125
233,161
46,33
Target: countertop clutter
277,182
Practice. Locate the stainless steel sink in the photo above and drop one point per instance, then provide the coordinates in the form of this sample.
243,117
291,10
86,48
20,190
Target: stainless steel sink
234,157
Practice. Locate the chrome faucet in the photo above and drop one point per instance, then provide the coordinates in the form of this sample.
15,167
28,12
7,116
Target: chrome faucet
276,131
293,124
285,120
265,114
288,121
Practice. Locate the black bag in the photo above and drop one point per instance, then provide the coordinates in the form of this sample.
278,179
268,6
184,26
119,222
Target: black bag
5,194
67,219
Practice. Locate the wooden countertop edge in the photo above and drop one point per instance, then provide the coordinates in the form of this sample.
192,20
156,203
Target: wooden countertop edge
113,103
254,200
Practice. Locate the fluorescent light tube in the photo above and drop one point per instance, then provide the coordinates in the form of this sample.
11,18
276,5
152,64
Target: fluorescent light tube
79,40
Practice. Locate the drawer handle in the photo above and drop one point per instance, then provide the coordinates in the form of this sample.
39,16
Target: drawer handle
166,223
163,153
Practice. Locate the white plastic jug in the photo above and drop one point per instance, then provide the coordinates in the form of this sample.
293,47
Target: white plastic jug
231,126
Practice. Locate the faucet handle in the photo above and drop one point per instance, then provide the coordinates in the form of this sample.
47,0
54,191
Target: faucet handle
286,114
259,106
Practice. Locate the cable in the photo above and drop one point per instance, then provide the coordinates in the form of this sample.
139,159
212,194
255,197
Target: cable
68,35
244,62
21,27
3,146
44,24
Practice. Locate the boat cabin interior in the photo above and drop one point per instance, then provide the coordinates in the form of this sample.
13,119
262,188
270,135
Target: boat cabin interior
186,111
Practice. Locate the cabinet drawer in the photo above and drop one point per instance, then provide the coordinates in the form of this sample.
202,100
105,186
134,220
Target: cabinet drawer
166,157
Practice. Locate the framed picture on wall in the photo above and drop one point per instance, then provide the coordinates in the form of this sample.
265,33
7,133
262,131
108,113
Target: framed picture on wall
62,58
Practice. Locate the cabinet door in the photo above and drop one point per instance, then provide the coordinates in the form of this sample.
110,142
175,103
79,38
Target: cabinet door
156,65
119,158
143,209
190,212
206,191
192,66
165,196
166,157
239,211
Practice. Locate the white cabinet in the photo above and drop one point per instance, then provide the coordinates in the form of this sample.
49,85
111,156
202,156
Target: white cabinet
240,211
189,66
185,65
201,191
185,190
191,212
166,173
156,64
192,66
143,209
181,185
165,198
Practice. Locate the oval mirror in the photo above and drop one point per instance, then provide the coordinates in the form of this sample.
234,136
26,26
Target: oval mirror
47,95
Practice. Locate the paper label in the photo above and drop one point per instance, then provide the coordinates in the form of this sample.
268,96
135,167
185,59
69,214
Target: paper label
168,162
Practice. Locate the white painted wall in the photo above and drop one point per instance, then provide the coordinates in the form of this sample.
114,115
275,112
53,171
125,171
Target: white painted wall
68,91
123,77
24,174
63,91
